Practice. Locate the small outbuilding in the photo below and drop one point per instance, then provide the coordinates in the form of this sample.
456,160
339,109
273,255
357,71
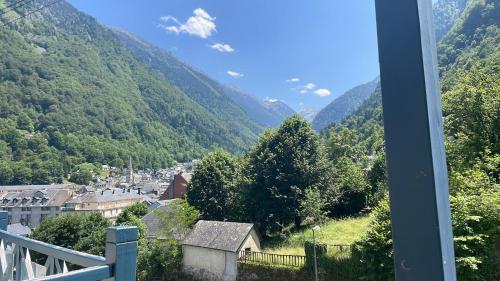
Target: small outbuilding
210,251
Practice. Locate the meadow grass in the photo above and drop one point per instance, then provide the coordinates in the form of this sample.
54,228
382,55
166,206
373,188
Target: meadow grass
342,231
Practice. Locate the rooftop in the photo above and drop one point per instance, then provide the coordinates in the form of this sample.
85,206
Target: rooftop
107,195
35,187
225,236
35,198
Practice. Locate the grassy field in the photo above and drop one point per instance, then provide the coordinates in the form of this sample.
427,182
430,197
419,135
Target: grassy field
344,231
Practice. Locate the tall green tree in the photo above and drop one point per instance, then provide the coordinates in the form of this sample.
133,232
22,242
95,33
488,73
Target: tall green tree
350,190
284,163
214,187
471,112
85,233
6,173
139,210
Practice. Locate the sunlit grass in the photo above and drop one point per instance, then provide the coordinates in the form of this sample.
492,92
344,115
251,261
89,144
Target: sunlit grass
338,232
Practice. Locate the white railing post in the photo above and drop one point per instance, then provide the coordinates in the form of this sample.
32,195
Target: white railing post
121,252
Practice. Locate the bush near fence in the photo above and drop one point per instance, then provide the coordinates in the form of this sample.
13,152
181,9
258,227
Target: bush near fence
321,250
261,272
335,262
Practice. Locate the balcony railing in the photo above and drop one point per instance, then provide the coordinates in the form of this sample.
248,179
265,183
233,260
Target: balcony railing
119,262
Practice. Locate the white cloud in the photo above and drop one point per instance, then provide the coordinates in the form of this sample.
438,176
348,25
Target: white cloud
312,88
223,48
322,92
234,74
307,88
293,80
201,24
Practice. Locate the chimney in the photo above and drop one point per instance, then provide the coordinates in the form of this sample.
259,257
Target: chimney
139,190
113,191
102,192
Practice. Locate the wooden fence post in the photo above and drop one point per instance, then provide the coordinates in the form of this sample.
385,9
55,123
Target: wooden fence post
121,252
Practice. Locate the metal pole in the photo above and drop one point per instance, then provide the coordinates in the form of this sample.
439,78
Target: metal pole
315,262
416,163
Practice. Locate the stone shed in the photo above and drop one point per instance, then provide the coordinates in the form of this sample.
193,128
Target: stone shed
210,251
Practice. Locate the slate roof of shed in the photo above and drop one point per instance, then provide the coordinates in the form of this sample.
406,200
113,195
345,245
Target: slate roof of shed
152,221
225,236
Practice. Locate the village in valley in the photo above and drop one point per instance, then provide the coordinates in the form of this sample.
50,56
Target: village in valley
210,248
109,194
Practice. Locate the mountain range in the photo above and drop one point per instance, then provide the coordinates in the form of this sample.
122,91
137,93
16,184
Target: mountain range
240,110
73,92
96,94
445,13
344,105
472,39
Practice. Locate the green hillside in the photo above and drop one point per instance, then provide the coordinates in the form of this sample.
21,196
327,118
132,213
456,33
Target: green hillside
344,105
71,92
475,37
198,86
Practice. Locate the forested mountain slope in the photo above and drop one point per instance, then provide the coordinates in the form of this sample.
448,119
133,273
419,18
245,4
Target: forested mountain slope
344,105
279,108
474,38
71,92
260,111
198,86
445,13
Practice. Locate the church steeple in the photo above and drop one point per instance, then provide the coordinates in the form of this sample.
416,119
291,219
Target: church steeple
130,172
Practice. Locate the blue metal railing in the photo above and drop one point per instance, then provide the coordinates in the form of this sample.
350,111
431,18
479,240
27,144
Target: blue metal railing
118,264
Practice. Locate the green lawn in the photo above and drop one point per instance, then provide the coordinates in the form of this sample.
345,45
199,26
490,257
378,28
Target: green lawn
344,231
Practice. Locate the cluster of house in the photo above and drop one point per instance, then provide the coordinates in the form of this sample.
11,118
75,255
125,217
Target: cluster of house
28,205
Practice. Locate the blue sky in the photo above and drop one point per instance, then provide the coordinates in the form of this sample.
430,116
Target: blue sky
261,46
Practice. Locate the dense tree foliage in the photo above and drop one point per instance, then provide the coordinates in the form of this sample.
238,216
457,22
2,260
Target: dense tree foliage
214,187
283,165
162,259
137,210
178,220
85,233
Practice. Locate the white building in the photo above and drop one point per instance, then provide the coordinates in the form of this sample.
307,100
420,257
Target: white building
31,207
210,251
109,202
